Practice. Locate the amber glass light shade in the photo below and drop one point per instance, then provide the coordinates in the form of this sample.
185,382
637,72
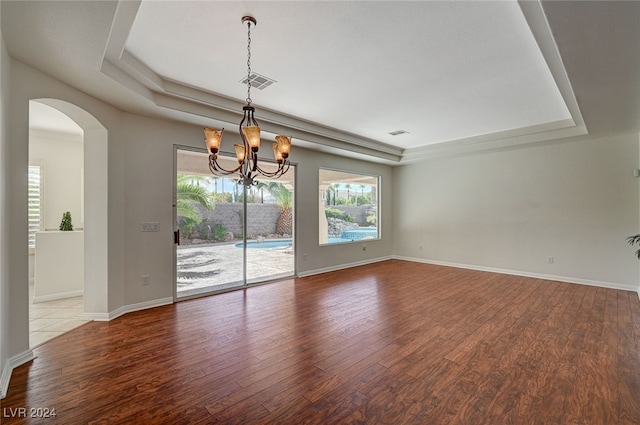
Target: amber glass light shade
212,139
284,145
277,154
252,133
240,153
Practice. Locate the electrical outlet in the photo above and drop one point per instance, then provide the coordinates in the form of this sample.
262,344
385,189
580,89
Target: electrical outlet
420,247
304,257
550,260
146,279
364,247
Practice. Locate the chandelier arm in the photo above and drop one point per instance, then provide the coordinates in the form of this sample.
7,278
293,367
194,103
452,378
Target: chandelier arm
285,167
244,119
216,169
244,168
269,173
287,164
282,168
252,119
254,162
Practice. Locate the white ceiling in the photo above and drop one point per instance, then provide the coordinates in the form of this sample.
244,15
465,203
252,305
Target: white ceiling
368,69
457,76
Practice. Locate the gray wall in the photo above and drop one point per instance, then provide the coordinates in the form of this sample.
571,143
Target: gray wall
4,224
575,201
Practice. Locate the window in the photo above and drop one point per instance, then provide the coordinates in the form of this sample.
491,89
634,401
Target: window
35,203
348,207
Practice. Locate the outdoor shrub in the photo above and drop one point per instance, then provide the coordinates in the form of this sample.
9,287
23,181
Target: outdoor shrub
219,231
341,215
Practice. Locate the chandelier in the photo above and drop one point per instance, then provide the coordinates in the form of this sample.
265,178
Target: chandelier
247,153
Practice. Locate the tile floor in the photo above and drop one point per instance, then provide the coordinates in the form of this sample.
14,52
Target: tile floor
49,319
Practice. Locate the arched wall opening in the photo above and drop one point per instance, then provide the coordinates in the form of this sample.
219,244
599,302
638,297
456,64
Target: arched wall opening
95,207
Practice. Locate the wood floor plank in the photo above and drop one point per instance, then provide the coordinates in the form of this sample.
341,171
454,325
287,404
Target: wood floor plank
393,342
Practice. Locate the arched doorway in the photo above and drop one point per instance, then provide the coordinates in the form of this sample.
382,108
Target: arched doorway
94,218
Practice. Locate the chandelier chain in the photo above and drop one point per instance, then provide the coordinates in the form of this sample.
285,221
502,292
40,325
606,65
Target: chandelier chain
249,63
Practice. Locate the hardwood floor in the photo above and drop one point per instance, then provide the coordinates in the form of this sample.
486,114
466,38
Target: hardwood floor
389,343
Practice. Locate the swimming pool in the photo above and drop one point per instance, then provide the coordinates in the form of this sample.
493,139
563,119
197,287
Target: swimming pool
338,240
274,243
360,233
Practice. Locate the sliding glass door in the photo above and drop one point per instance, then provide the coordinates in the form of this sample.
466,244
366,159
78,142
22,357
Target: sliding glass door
212,252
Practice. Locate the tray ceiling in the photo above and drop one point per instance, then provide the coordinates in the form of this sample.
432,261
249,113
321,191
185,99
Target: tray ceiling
450,77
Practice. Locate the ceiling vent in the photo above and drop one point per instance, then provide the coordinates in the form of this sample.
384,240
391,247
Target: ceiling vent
398,132
258,81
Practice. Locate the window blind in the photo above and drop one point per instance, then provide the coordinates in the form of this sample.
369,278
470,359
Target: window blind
35,203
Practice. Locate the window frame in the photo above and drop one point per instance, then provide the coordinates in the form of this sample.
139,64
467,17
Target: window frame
358,179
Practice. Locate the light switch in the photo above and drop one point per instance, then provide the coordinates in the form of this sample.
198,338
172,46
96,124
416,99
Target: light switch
151,227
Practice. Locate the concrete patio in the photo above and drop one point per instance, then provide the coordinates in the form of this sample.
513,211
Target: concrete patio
212,267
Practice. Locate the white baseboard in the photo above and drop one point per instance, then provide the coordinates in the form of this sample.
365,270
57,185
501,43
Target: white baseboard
7,370
610,285
343,266
98,317
60,296
105,317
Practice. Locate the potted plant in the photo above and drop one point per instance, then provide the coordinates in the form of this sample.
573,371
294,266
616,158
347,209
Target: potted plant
632,240
65,224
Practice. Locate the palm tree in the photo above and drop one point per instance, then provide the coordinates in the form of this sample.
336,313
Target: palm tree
189,194
330,193
348,187
222,182
334,189
261,186
215,184
284,199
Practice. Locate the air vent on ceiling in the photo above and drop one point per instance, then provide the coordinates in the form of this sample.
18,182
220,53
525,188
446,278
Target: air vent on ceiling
398,132
258,81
